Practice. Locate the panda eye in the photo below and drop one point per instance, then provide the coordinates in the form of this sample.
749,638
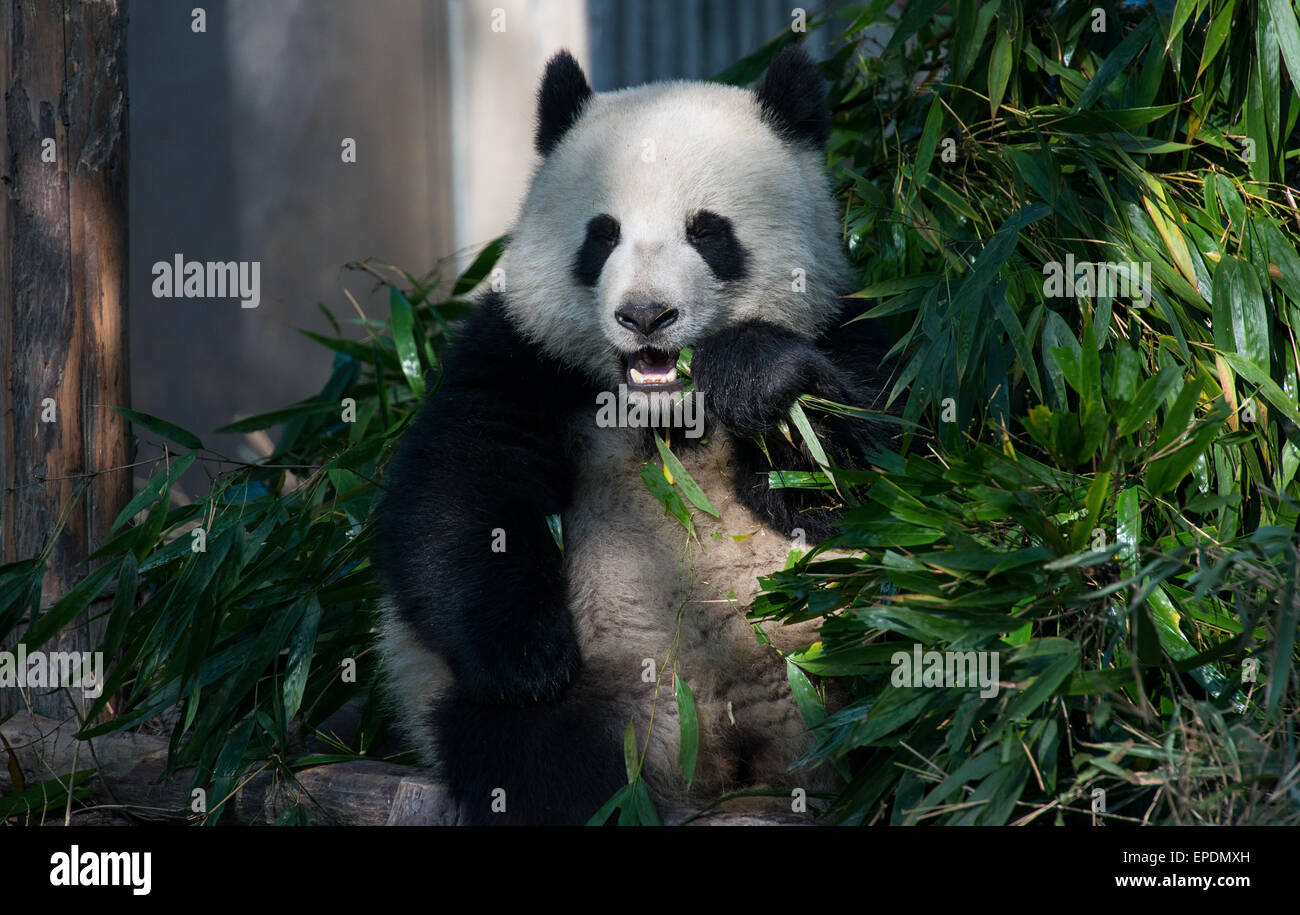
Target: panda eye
706,225
604,229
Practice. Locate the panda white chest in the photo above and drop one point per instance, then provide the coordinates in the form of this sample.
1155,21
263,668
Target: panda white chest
643,593
633,568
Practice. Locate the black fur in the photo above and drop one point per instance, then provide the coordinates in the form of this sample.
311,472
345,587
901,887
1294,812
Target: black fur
715,240
564,93
793,98
751,374
513,720
499,618
600,242
557,761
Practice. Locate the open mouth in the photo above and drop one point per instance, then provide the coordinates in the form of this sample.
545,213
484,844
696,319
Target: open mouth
651,368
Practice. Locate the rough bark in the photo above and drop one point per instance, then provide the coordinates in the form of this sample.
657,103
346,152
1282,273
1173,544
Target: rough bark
63,274
130,769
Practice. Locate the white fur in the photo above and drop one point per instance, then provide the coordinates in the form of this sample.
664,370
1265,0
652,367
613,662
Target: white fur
708,149
632,569
416,678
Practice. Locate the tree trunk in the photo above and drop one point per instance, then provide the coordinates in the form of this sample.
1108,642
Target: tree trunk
63,275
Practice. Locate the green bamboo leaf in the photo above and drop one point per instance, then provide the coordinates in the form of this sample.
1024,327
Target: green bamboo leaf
1083,527
404,340
1282,655
276,417
1215,36
1128,515
1150,396
481,267
1116,62
72,603
999,69
630,751
1283,14
805,695
1179,417
690,488
645,808
1231,201
128,583
161,427
302,646
926,144
1277,398
1043,685
158,488
1282,252
1166,616
1182,10
995,255
1104,121
621,798
662,490
915,16
1268,73
1240,315
689,727
554,524
1168,471
812,442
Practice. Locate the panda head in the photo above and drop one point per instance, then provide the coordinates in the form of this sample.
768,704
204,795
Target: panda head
662,213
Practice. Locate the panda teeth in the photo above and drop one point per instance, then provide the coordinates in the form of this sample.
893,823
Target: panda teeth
639,377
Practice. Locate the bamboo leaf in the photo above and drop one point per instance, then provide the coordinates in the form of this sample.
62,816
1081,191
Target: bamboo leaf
689,487
689,728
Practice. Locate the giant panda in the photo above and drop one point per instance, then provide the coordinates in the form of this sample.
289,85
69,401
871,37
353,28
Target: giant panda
669,217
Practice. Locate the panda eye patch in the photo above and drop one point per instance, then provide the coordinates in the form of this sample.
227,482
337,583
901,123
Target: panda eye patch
712,236
707,224
601,240
603,228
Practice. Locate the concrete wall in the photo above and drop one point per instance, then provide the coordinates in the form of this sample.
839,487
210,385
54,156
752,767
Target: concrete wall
236,155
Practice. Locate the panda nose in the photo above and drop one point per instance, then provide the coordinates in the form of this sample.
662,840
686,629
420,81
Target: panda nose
645,317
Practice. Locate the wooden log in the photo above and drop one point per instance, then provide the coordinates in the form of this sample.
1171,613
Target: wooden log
63,275
131,768
350,794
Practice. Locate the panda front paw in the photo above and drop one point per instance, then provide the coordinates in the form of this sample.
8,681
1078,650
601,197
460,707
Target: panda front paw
750,375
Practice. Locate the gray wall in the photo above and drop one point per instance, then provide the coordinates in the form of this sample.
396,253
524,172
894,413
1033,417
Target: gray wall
639,41
235,155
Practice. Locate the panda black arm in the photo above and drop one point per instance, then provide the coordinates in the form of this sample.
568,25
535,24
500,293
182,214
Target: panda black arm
465,549
750,376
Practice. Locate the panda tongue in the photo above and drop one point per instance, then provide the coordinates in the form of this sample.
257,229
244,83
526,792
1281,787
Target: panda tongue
650,366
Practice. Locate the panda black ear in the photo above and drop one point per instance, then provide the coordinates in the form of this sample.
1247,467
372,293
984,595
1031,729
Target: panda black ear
793,98
560,101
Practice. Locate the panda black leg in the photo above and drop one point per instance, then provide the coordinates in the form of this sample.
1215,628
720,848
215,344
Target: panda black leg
542,764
